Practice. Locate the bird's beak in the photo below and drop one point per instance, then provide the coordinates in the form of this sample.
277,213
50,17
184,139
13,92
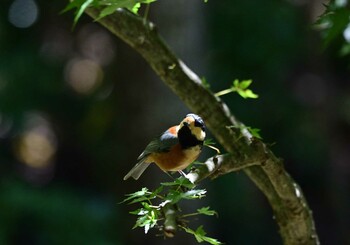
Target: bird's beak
186,124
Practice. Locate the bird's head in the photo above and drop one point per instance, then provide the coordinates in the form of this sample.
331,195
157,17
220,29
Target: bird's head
191,130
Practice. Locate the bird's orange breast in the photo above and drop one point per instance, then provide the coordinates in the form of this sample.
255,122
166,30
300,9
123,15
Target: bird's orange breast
176,159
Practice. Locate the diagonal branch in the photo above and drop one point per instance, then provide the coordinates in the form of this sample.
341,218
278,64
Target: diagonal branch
285,197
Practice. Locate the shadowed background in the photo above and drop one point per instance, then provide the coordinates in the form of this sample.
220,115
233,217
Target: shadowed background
77,108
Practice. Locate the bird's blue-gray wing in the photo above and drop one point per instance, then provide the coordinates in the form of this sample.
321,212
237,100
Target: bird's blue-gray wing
160,144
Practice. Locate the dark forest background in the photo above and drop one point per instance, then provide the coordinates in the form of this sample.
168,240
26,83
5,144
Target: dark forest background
78,106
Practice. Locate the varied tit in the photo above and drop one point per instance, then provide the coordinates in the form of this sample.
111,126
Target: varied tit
175,149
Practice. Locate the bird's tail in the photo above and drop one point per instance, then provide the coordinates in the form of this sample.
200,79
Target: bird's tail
137,170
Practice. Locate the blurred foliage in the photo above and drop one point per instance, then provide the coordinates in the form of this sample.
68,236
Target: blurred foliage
334,24
52,216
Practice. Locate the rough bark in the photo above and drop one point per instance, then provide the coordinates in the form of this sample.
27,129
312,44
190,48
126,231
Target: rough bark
289,205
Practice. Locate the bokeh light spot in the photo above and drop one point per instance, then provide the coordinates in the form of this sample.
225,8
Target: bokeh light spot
23,13
37,144
96,44
83,75
346,33
35,149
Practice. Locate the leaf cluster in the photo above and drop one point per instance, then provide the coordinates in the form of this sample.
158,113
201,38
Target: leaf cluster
240,87
107,7
255,132
153,203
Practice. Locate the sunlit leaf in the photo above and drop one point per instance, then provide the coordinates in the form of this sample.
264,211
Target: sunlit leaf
72,5
199,234
254,132
81,10
205,83
245,84
209,142
137,194
182,181
108,10
206,211
247,94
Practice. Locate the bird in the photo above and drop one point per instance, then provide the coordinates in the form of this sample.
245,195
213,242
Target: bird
174,149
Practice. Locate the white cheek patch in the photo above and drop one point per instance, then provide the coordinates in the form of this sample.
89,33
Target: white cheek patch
202,135
198,132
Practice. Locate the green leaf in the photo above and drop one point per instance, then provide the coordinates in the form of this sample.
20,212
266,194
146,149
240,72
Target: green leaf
242,89
199,234
141,199
333,22
72,5
181,181
144,191
135,8
108,6
81,10
140,211
108,10
247,94
245,84
254,132
148,217
174,196
194,194
205,83
209,141
207,211
132,5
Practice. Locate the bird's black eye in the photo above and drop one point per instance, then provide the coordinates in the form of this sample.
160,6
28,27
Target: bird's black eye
199,123
186,124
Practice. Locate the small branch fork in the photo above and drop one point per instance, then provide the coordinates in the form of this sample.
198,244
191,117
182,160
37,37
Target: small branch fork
290,208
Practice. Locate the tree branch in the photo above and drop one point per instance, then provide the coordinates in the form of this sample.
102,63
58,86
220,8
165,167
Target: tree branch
285,197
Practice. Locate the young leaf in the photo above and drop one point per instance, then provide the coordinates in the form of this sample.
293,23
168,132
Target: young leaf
173,196
182,181
148,217
140,211
207,211
193,194
242,89
144,191
245,84
205,83
81,10
199,234
254,132
247,93
135,8
209,141
108,10
72,5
